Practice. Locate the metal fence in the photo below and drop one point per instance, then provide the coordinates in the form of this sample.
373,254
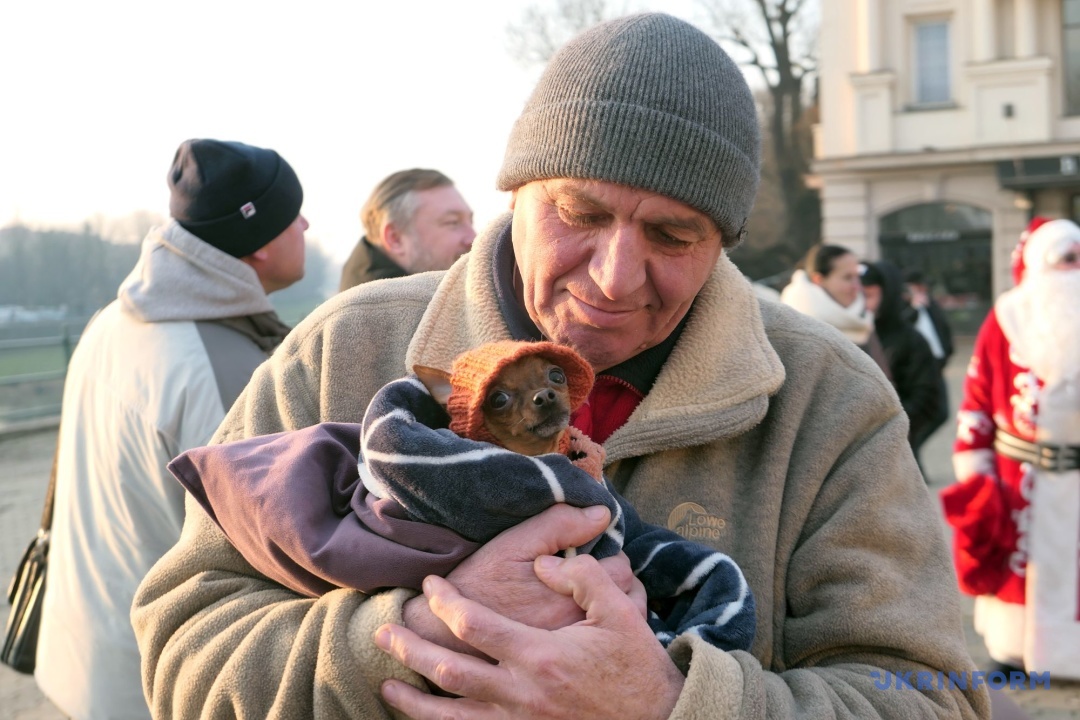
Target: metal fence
35,393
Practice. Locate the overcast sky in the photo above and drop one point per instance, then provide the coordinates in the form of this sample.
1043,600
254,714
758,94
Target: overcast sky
97,95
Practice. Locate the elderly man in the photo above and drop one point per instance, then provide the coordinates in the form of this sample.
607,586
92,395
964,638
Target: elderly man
744,426
414,221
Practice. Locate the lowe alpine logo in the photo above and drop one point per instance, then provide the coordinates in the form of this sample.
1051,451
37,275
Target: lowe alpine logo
693,522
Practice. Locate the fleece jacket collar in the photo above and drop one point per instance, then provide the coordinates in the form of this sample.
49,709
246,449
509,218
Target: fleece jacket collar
715,384
180,277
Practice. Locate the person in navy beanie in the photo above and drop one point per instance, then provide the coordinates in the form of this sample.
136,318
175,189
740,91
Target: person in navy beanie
233,196
152,376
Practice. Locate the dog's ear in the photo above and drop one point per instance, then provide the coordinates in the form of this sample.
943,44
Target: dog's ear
436,381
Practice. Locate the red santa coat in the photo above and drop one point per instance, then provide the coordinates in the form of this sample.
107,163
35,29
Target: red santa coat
1015,527
988,508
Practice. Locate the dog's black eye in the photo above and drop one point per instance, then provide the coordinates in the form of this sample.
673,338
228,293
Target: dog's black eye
556,376
498,400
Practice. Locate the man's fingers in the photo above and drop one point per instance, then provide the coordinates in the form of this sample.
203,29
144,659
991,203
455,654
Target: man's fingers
555,529
498,637
454,672
618,569
424,706
582,578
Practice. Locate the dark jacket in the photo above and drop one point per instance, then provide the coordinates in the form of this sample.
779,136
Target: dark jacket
367,263
941,325
913,366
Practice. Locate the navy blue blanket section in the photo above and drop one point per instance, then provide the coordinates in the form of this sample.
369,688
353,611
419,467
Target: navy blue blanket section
477,489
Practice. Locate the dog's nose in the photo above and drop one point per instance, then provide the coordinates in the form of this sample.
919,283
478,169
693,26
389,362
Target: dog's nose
544,397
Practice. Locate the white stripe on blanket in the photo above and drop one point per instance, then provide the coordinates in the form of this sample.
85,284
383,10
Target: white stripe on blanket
406,446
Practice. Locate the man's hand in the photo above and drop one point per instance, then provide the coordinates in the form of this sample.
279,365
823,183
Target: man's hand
608,665
500,575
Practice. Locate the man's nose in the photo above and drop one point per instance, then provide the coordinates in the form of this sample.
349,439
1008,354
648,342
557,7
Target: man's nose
470,235
618,261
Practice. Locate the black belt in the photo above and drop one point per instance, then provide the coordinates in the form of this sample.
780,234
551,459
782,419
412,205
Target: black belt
1045,456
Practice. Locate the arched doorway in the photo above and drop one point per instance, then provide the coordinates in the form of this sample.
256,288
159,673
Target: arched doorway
951,244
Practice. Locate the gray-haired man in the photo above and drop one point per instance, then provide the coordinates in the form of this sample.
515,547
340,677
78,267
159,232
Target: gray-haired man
414,221
742,425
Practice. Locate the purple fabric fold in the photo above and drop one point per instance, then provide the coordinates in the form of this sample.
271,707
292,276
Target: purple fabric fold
293,505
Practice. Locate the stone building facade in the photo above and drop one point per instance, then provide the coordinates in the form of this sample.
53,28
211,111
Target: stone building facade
945,125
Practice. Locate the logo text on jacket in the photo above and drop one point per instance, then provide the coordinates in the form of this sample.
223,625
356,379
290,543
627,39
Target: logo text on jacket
693,522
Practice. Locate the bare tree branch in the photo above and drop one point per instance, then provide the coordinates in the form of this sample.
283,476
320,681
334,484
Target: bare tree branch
775,37
546,26
779,40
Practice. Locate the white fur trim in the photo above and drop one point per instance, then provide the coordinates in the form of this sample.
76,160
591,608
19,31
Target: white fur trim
968,463
811,299
1001,625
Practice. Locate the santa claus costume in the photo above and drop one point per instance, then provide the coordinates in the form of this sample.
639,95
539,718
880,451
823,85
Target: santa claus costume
1015,509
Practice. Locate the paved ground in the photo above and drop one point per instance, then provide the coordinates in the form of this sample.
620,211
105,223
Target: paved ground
24,468
25,461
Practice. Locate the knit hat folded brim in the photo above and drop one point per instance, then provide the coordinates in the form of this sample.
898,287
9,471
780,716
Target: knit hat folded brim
475,370
233,196
639,147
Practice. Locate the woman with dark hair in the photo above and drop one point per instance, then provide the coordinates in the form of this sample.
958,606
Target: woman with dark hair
827,287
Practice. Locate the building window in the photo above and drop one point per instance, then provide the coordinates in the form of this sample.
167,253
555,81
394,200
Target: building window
1070,13
932,62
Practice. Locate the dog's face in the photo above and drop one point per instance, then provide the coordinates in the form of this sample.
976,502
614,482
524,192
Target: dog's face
527,407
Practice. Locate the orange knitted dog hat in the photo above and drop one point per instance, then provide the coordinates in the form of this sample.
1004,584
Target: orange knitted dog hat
474,371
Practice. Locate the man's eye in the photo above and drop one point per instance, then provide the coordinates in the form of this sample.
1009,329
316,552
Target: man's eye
670,240
579,219
556,376
498,400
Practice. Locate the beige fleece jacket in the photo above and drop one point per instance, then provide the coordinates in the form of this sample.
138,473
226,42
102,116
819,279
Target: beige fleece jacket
813,491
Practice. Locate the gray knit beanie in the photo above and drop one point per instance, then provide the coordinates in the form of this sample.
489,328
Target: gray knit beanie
647,101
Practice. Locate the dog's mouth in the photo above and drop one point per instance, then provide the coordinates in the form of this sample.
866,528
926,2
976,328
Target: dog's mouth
551,425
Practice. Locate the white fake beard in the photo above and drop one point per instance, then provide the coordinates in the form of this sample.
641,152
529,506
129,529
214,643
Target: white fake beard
1051,340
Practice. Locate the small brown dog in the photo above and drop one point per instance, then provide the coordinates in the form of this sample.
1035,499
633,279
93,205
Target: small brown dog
518,395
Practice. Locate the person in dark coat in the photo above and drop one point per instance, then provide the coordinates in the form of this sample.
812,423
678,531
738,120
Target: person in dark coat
911,363
414,221
929,319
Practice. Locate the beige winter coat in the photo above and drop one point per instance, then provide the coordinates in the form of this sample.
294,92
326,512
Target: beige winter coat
813,491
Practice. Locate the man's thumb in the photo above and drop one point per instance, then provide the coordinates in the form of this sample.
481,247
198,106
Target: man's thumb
560,527
583,579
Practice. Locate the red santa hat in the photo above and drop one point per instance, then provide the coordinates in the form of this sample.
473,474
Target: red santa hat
1018,264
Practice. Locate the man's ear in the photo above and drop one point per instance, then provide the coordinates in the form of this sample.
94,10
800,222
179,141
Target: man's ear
391,238
436,381
394,243
256,259
513,198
